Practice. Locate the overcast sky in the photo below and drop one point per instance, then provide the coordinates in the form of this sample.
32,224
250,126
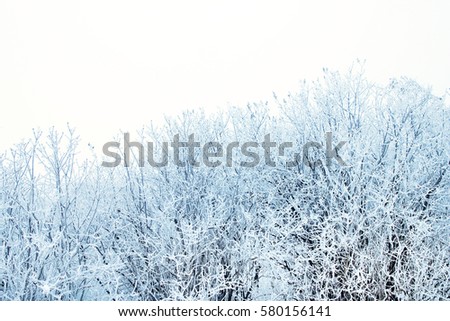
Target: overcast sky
110,65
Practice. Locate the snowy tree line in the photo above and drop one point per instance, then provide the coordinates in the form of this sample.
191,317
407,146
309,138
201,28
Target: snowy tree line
376,229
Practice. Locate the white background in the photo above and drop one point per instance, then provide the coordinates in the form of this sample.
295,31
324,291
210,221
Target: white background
348,311
110,65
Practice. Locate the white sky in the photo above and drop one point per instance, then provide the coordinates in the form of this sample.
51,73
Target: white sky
110,65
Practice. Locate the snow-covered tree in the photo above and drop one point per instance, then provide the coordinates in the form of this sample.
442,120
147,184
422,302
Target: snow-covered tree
253,226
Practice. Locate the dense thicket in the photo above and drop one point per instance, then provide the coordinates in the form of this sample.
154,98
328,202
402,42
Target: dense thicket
376,229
